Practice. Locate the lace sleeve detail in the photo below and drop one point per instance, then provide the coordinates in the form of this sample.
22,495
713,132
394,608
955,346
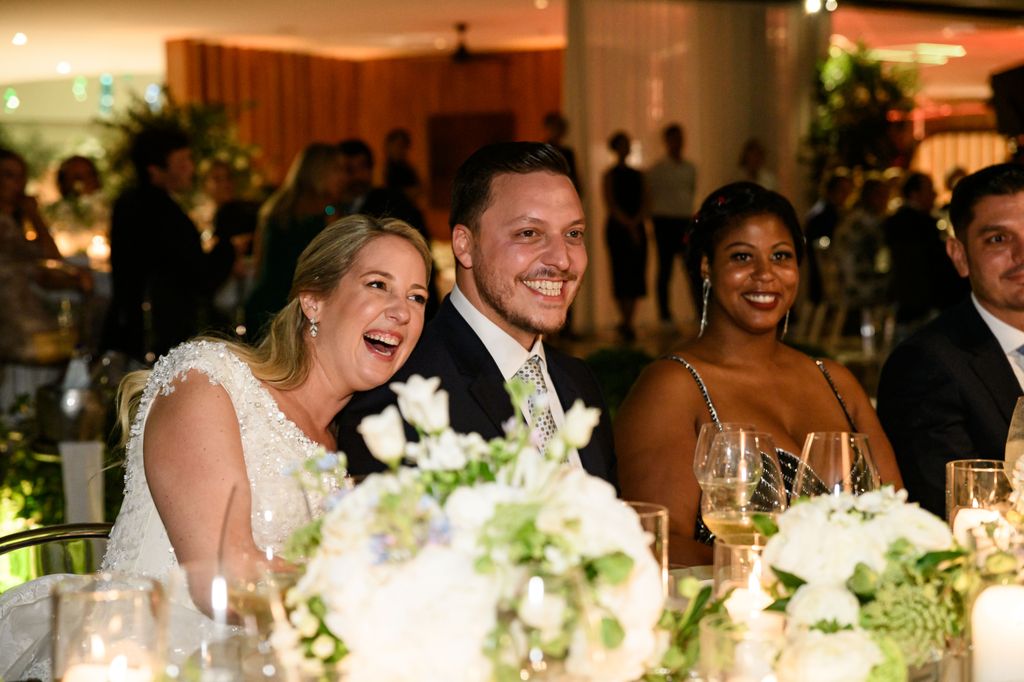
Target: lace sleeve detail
137,530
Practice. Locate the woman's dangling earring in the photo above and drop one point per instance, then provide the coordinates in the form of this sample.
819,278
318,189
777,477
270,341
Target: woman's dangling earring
785,326
705,295
314,328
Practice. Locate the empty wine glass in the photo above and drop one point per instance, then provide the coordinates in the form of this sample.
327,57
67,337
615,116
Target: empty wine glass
707,434
743,479
834,462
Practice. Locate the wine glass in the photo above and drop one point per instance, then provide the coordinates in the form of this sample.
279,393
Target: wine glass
707,434
977,492
743,479
834,462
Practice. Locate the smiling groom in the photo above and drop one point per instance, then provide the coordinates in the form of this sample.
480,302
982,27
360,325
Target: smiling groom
517,235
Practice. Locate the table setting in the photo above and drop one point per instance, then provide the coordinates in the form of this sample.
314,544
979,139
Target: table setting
493,561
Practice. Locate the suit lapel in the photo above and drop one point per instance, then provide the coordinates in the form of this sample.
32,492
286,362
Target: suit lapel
991,364
569,393
475,363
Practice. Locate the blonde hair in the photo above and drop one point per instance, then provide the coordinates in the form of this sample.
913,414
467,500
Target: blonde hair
281,358
305,180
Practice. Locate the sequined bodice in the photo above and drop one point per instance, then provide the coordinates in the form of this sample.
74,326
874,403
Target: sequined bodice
271,444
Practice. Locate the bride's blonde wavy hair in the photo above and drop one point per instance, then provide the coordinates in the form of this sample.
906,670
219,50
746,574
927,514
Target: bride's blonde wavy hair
281,357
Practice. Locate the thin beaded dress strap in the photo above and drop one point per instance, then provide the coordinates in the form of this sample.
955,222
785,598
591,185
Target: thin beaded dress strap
842,403
701,386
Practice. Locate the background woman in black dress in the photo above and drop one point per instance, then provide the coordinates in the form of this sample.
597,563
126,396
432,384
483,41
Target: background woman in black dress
625,232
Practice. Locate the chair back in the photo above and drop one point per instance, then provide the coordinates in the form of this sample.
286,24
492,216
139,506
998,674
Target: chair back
68,548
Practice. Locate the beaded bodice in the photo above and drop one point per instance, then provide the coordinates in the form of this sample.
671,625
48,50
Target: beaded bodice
272,445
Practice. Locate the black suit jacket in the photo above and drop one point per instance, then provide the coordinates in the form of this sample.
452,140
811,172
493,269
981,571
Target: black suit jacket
156,256
450,349
946,393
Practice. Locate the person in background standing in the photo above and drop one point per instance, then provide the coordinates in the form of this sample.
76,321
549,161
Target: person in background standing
399,174
626,232
289,220
671,184
163,280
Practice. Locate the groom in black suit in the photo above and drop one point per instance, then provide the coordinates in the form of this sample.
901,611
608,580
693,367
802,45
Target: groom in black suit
517,236
948,392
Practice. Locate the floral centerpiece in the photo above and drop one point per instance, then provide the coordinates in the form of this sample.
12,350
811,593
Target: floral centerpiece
488,561
869,585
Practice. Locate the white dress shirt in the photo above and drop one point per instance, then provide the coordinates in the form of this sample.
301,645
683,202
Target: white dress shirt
509,355
1009,337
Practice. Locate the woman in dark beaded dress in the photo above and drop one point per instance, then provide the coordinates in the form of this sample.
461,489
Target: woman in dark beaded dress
744,254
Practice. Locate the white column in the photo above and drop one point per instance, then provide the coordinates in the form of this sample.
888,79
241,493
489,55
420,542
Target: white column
726,71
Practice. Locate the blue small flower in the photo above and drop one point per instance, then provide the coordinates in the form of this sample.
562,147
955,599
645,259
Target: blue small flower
327,462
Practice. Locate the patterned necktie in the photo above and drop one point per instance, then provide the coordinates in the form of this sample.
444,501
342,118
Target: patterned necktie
540,414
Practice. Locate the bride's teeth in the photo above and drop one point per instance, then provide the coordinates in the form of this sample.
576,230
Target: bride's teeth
383,338
546,287
761,298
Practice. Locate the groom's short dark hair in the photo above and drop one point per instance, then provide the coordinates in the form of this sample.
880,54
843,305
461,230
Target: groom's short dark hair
471,191
998,180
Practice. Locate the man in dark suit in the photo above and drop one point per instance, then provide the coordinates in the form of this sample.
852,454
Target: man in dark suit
517,236
163,280
948,392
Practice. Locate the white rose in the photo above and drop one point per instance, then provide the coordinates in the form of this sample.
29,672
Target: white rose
925,531
824,548
443,452
304,621
422,403
815,603
579,424
384,434
846,656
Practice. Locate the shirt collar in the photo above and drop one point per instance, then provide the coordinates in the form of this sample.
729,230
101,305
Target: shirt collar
506,351
1009,337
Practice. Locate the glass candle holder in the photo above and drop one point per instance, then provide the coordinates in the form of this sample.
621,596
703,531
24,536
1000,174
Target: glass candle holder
107,627
654,520
977,492
731,652
739,577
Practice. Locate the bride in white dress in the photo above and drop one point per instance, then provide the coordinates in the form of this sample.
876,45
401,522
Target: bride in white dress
217,421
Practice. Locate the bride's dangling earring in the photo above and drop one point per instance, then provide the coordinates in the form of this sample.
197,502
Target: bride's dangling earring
705,295
314,328
785,326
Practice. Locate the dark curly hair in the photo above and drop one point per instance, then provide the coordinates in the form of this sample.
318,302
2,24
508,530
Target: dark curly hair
726,208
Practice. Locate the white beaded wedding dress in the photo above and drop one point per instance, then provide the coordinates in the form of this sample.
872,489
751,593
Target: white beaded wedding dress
273,447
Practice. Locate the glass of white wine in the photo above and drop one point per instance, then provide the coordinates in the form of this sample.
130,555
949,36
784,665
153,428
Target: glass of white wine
834,462
707,434
743,480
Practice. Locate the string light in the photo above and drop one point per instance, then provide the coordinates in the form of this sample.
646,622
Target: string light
19,39
831,5
63,68
79,88
812,6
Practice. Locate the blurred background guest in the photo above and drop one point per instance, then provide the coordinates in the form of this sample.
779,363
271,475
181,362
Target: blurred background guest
860,250
923,280
24,234
289,220
820,227
163,280
556,127
752,165
625,232
671,183
399,173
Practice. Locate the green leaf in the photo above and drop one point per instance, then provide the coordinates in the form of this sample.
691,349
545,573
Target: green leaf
612,633
765,525
932,559
778,605
613,568
788,580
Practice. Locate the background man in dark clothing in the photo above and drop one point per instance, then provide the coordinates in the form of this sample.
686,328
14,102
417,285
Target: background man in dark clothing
162,279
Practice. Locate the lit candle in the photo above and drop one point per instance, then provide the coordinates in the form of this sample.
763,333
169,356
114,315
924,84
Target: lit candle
746,602
969,518
98,249
997,627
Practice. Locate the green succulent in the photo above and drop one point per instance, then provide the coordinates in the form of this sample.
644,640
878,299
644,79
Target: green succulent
914,616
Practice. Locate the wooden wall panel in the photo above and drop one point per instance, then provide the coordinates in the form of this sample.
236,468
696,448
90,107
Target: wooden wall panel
282,101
